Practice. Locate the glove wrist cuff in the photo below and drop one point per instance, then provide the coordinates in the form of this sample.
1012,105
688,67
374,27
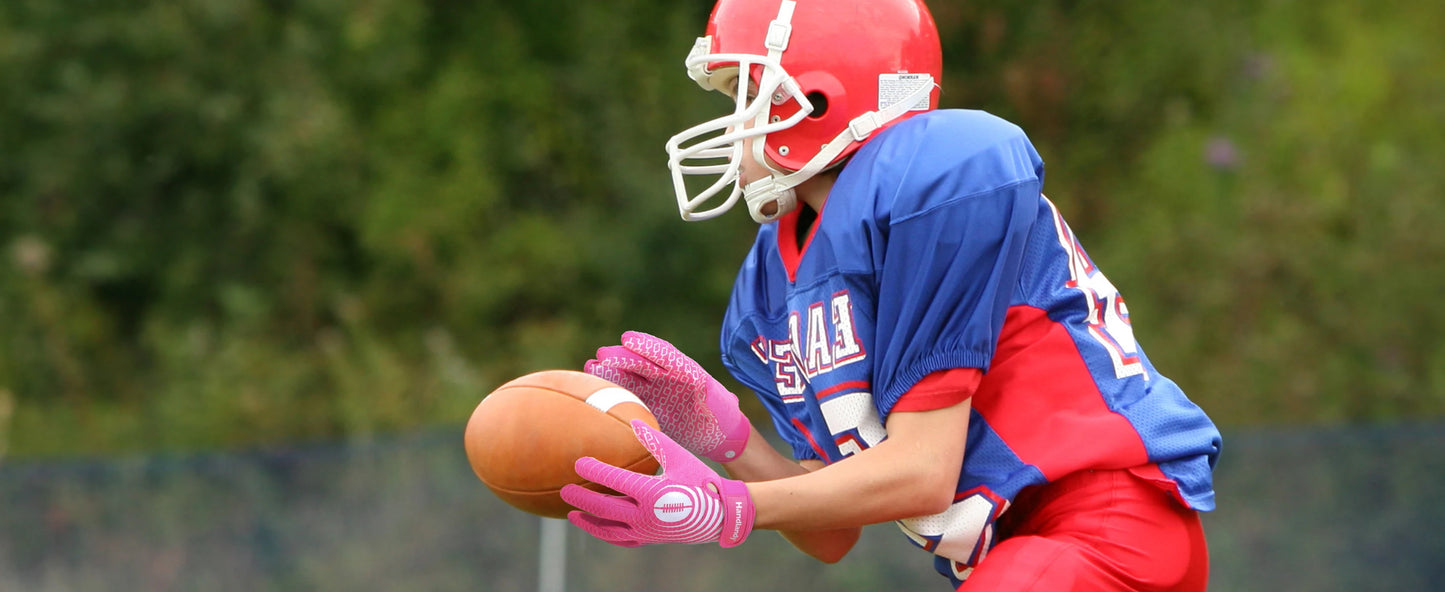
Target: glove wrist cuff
735,439
738,513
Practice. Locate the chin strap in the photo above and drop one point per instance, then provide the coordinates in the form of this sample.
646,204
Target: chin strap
769,190
777,188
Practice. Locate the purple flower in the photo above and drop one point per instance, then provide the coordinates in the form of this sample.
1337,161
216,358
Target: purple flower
1221,154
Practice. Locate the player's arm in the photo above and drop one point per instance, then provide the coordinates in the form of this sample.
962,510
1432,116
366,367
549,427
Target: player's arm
911,473
760,462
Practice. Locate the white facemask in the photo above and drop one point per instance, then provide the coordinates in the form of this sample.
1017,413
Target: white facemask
715,148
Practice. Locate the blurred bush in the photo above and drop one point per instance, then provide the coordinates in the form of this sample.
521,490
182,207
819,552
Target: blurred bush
241,221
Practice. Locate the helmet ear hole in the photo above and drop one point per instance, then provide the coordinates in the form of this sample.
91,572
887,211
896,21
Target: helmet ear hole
820,104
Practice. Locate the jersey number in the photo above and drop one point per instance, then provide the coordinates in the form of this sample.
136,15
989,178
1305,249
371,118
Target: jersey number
1108,316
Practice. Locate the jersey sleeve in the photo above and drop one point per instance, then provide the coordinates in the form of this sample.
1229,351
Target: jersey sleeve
951,263
944,388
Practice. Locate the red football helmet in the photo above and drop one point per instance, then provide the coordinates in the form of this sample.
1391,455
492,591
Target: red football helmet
811,81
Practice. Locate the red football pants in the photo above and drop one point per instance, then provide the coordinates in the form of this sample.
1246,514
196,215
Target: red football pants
1095,530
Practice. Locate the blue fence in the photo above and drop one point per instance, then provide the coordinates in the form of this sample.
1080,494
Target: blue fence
1308,509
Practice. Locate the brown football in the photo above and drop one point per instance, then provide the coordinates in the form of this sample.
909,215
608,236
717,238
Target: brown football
524,437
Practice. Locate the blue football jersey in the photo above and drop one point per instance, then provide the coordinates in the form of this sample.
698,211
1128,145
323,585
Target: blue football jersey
936,250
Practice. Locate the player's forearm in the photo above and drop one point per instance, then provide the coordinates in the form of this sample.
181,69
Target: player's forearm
905,476
760,462
828,546
865,489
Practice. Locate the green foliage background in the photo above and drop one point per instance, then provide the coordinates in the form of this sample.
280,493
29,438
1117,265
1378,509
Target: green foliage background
230,222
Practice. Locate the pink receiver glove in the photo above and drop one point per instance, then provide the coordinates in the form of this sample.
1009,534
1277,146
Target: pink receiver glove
690,405
687,503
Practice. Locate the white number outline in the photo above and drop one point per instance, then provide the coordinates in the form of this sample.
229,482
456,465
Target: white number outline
1108,317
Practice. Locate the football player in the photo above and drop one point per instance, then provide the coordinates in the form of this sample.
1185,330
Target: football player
926,332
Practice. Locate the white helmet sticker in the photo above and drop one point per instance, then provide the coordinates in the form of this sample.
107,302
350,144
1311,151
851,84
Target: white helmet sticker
896,87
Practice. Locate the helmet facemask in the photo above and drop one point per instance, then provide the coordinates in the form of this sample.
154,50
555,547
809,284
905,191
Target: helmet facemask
715,148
